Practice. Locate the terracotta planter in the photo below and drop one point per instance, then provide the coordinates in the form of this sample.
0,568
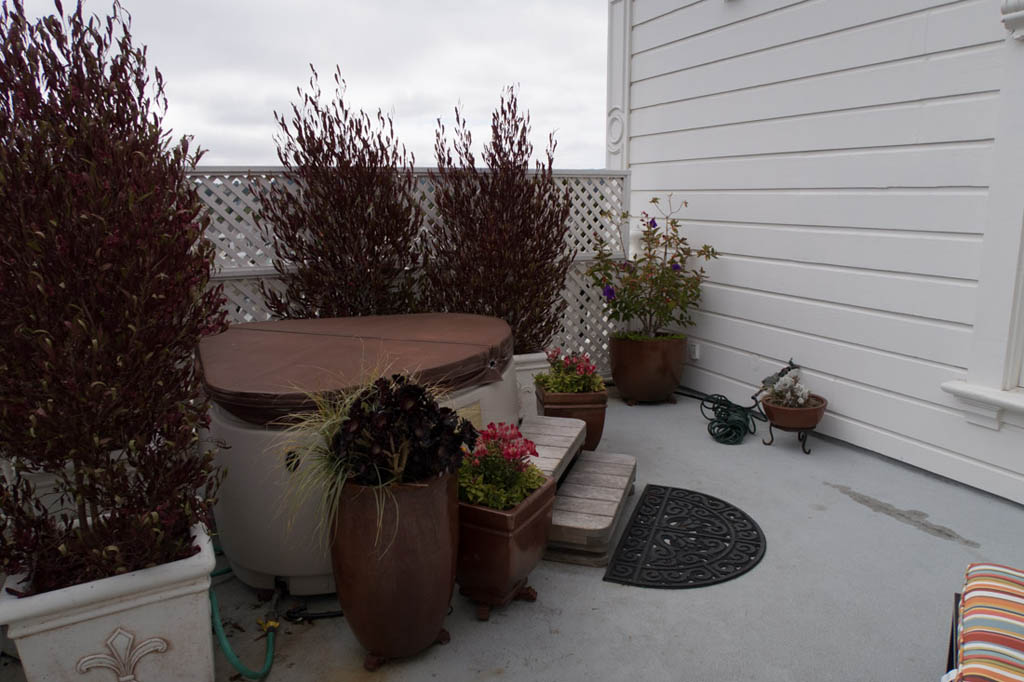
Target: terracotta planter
648,370
396,592
498,549
795,418
590,407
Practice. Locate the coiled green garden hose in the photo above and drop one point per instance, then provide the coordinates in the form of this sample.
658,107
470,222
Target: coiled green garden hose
269,626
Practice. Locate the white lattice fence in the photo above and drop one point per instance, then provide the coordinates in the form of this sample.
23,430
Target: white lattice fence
245,258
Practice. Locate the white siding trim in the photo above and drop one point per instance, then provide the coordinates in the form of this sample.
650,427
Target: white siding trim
994,368
620,29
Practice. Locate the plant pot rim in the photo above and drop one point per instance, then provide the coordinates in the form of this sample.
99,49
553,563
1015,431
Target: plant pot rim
511,510
771,401
408,484
656,337
79,602
535,355
545,391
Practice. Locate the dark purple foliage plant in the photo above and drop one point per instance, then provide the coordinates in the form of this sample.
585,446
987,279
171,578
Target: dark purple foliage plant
500,245
103,299
345,222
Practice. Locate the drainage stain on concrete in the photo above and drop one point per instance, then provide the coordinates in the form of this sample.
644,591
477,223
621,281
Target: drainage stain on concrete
913,517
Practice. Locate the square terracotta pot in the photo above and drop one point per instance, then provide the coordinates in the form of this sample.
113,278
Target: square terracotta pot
498,549
590,407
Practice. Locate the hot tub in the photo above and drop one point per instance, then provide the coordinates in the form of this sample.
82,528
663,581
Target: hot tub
258,373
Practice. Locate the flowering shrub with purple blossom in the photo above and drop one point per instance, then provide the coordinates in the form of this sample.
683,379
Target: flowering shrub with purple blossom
655,288
498,473
569,373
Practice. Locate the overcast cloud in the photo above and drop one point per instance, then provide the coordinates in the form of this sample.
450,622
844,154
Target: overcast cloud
230,64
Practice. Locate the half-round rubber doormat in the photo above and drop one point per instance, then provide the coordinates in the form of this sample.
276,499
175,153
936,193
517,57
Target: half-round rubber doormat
680,538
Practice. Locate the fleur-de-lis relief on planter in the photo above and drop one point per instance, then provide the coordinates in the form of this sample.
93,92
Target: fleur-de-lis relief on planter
125,655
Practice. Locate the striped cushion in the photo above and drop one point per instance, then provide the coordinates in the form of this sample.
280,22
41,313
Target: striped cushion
991,643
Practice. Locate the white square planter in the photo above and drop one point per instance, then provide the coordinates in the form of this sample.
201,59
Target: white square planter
527,365
151,625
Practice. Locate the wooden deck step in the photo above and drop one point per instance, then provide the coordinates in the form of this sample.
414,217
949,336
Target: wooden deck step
558,440
588,507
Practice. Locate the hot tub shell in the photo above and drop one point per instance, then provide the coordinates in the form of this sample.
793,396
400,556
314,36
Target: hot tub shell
256,374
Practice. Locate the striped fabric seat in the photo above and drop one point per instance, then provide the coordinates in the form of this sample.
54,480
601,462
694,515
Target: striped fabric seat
991,639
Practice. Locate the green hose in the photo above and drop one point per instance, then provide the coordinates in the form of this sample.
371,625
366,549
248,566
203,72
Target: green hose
270,627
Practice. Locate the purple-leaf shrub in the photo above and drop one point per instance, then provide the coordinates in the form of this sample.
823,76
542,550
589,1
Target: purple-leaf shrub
103,299
500,246
345,221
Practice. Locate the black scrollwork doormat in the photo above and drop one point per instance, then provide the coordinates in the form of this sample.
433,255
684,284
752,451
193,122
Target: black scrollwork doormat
680,538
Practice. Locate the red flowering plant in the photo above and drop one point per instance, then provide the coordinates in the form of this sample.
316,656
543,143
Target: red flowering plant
655,288
569,373
498,473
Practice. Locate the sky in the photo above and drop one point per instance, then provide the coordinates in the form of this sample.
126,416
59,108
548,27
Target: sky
230,64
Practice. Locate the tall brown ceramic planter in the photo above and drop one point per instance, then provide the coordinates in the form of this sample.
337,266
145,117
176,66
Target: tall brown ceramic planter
395,593
498,549
590,407
648,370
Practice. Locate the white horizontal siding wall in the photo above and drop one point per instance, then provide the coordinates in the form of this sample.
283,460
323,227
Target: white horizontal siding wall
839,155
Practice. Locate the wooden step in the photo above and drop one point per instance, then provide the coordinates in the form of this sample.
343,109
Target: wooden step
558,439
588,507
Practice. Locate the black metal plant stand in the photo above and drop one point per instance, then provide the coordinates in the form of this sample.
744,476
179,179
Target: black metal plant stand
801,435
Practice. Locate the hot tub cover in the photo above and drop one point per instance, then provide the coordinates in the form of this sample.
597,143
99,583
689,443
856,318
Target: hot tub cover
263,371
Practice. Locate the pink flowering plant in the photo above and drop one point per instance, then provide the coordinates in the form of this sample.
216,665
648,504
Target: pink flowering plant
498,472
656,288
569,373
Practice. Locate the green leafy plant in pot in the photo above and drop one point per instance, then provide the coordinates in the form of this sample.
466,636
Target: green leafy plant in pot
104,275
505,508
653,291
572,388
382,457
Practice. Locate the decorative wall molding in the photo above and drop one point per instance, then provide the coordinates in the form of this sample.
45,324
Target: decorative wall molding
124,655
616,129
983,405
1013,17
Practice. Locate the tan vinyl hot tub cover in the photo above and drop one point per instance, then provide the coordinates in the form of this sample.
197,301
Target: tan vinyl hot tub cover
263,371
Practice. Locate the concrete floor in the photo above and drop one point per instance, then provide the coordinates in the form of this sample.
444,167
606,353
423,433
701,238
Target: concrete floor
863,557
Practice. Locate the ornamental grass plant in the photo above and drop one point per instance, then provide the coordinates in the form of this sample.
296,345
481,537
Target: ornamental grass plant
569,373
104,274
387,432
498,472
656,288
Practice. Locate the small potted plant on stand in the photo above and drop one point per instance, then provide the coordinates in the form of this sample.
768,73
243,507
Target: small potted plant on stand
654,290
790,406
505,507
572,388
104,272
382,459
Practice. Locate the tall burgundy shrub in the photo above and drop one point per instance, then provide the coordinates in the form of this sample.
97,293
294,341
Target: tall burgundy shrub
500,246
103,299
345,222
